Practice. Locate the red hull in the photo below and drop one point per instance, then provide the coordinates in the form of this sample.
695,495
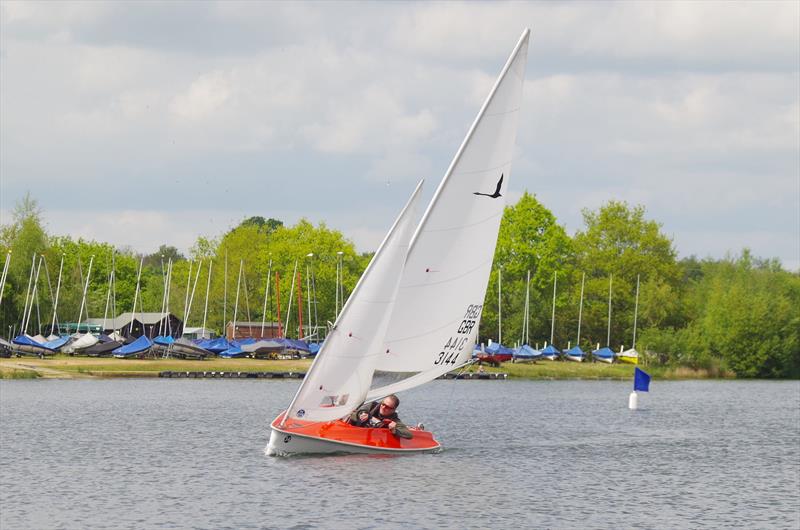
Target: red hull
338,431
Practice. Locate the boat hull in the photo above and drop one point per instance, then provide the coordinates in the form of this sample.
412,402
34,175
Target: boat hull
628,360
307,437
608,360
573,358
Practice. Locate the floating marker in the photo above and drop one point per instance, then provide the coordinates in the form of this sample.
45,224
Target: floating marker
641,382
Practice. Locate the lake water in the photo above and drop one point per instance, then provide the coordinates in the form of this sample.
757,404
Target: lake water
518,454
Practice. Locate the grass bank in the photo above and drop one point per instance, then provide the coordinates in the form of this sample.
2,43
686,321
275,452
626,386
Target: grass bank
7,372
600,371
62,366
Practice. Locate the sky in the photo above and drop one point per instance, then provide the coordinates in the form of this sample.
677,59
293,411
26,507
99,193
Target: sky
145,123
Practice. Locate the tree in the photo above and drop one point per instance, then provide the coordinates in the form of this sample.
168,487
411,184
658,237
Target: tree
618,240
26,238
529,240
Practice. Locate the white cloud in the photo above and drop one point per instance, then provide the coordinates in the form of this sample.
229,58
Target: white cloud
689,108
206,94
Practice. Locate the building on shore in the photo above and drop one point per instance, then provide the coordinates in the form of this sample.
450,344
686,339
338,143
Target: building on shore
252,330
149,324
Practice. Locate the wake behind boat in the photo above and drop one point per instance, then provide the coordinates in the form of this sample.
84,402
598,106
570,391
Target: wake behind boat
417,307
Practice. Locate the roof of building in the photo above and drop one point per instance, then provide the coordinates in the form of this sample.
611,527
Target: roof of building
125,318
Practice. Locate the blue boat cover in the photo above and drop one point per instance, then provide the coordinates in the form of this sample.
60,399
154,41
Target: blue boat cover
550,350
53,345
56,343
25,340
314,348
526,352
604,353
139,345
233,351
217,345
164,341
575,351
496,348
297,344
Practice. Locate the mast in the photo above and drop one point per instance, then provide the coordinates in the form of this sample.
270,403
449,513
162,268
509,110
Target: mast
266,296
114,286
580,311
136,297
635,312
608,338
49,284
83,300
291,294
246,301
314,291
4,275
33,293
186,298
526,312
299,307
278,298
208,289
163,298
191,298
225,295
170,266
108,299
58,290
236,305
499,306
553,314
338,282
27,294
308,290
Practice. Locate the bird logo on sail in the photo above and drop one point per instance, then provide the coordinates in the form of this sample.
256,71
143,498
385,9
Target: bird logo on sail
496,193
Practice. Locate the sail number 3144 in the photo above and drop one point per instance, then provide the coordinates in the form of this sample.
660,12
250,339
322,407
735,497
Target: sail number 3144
455,344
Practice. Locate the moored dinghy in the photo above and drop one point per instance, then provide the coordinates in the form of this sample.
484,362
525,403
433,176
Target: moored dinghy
604,355
138,348
550,353
433,320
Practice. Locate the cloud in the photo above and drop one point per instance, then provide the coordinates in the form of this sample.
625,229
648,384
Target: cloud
206,94
690,109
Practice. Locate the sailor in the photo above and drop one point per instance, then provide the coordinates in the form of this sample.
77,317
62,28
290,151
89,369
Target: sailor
381,415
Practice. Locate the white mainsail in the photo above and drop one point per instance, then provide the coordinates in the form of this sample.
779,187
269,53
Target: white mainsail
341,374
437,312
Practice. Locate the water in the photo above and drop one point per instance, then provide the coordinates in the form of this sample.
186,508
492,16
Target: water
189,454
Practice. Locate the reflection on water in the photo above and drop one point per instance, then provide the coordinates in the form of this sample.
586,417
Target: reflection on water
190,454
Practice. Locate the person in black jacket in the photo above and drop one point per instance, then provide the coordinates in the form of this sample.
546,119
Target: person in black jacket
381,415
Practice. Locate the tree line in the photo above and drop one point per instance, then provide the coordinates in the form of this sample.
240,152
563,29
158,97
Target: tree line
738,313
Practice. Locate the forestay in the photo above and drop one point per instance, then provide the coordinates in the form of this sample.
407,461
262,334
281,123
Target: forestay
436,316
341,373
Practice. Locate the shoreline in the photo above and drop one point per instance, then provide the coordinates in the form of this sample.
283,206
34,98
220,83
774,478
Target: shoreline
66,367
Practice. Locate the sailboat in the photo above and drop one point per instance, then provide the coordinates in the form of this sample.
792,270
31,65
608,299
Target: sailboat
606,354
576,354
417,307
141,346
631,356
